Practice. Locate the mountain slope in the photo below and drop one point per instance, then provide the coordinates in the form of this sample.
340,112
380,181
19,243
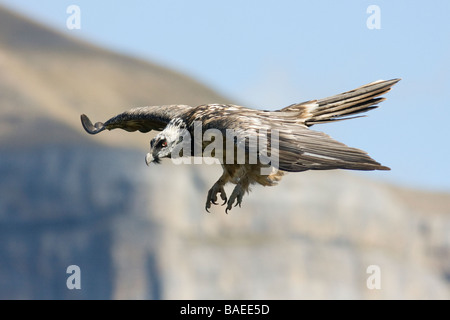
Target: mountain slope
46,75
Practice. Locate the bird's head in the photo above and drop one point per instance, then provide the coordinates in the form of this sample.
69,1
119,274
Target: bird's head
164,143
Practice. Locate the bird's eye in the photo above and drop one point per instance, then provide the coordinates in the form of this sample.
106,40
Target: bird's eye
164,143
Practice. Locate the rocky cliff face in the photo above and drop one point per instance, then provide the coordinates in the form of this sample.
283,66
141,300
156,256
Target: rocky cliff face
137,232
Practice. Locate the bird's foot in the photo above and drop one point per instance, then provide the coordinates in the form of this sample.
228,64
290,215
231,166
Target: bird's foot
236,195
212,195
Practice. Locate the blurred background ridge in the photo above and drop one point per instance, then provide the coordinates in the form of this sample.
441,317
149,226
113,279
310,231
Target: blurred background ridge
136,232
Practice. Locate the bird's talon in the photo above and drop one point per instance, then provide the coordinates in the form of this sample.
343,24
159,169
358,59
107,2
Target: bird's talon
212,195
236,196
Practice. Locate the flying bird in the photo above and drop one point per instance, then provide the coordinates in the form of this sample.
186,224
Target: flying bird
296,147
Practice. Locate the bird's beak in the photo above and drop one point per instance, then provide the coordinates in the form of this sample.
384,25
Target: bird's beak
149,158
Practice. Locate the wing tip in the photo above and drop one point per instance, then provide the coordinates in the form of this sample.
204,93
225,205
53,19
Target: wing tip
89,127
383,168
392,82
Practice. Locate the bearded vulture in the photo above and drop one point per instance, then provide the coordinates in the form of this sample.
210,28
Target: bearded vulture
253,135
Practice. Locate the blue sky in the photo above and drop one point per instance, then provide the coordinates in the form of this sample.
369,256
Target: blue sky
269,54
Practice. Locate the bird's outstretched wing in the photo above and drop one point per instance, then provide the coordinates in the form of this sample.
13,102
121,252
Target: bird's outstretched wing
304,149
299,148
342,106
295,147
143,119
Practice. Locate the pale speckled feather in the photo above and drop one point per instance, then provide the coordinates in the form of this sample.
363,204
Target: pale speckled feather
342,106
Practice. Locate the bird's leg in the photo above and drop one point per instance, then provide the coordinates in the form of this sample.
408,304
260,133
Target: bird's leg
237,195
217,188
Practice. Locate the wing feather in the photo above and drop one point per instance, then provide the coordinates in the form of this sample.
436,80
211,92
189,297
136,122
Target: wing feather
305,149
143,119
342,106
299,148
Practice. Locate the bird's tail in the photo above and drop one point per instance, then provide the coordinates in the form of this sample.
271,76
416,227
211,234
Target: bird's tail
342,106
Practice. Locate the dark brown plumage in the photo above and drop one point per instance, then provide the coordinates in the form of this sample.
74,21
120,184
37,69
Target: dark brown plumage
299,148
